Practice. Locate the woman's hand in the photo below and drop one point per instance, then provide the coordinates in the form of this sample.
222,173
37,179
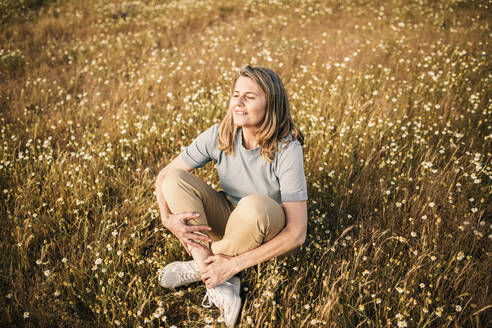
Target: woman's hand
219,268
187,234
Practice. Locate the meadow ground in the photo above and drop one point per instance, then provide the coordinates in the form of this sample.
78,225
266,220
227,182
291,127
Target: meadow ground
393,97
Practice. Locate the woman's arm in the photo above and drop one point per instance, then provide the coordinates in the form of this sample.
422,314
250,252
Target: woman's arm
221,267
176,163
176,223
293,235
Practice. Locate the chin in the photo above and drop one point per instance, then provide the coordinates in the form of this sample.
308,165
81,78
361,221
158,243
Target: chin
238,123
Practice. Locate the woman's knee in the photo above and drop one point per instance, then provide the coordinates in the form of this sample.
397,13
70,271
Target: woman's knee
260,209
255,220
255,205
172,180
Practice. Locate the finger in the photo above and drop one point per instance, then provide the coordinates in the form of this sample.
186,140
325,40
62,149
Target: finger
211,283
209,260
206,277
197,228
188,216
196,236
195,244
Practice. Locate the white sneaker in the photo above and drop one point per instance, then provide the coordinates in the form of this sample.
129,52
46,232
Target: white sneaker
178,273
226,297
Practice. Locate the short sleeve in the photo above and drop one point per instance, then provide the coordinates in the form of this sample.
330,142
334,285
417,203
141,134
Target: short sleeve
290,172
201,150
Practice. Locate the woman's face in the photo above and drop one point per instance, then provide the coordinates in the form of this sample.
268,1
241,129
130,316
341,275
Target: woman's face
247,104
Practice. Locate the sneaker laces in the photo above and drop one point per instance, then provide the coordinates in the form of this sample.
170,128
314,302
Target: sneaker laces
186,275
210,296
207,299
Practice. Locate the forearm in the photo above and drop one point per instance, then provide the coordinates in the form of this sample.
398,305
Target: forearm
161,201
290,237
285,241
177,163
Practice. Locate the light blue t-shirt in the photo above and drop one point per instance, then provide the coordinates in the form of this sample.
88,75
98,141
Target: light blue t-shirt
246,172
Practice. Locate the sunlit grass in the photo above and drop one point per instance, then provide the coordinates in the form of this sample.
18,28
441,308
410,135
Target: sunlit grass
394,99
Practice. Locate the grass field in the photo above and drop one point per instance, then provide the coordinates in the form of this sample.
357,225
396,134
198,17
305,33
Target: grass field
394,98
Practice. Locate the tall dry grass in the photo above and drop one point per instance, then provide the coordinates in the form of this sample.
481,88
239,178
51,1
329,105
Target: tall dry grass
394,98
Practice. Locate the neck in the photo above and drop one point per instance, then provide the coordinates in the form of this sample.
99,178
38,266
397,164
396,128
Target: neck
250,139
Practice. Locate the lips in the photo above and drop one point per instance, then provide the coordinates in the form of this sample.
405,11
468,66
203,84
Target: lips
240,112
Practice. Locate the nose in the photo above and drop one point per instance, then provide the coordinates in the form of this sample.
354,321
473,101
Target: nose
240,101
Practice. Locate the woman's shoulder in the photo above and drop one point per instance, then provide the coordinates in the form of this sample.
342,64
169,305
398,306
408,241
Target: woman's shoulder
289,150
214,128
288,156
288,143
211,132
207,138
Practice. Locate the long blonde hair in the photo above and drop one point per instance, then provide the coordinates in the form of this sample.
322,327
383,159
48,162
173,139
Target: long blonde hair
277,124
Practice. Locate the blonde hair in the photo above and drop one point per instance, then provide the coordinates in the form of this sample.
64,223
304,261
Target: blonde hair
277,124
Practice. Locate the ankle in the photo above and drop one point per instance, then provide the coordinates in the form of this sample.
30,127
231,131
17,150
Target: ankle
199,256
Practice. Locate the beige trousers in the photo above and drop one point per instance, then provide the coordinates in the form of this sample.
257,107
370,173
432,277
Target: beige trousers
235,229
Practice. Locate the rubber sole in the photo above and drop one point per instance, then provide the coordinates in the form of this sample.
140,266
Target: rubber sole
236,307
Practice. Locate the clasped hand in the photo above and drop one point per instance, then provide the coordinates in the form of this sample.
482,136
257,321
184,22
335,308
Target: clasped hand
187,234
219,268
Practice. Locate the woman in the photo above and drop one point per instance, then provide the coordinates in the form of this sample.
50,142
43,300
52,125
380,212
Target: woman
262,211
